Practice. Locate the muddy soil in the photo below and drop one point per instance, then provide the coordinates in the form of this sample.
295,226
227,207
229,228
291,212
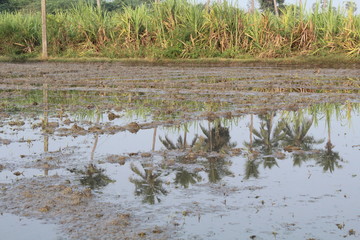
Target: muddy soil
71,104
239,89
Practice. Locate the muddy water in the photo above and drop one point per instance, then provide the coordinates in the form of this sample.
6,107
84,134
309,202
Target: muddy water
234,156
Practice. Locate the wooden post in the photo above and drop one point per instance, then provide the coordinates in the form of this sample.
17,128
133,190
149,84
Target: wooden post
325,4
252,6
98,4
43,29
207,5
276,8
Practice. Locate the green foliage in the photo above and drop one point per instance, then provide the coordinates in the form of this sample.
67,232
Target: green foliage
5,5
179,29
20,34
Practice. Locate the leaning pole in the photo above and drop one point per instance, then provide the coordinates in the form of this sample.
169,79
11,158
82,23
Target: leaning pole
43,30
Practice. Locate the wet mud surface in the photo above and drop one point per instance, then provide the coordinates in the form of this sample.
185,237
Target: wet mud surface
120,151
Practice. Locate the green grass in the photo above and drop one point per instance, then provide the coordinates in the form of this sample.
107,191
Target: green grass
176,29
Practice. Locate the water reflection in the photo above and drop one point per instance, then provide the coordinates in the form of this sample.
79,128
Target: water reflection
45,124
273,137
328,159
46,116
216,139
296,134
186,178
217,168
279,135
252,168
180,143
154,139
268,137
147,183
83,104
267,140
96,138
93,176
300,158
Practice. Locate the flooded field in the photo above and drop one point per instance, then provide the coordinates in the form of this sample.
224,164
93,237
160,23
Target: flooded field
114,151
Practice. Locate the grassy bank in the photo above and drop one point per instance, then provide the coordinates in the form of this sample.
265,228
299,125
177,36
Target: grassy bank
179,29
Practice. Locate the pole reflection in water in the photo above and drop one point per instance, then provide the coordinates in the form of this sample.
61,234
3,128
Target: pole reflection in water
96,137
251,164
154,139
45,124
328,159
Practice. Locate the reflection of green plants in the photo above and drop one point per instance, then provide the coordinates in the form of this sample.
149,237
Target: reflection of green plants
93,177
328,159
83,103
87,114
217,139
252,167
269,162
217,168
294,132
252,163
297,133
185,178
299,158
149,185
180,144
11,108
268,137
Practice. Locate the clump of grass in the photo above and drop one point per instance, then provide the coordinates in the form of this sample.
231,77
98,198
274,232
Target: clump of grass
19,33
180,29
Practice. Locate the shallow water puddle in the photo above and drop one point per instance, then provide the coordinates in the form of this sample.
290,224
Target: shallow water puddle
310,190
21,228
278,175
